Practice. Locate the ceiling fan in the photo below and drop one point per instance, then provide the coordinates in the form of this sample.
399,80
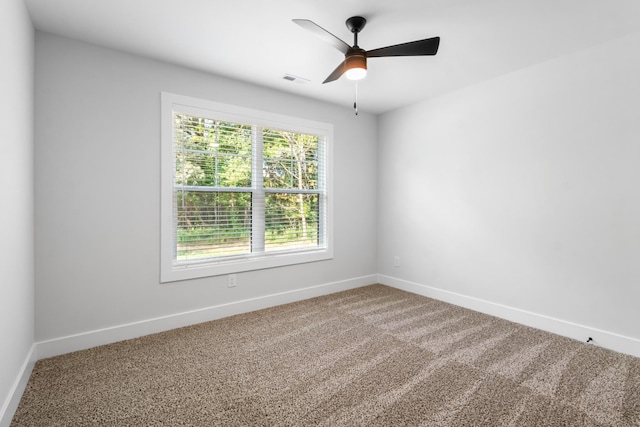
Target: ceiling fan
354,65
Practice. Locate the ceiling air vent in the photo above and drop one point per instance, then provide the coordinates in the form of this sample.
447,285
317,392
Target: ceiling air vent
296,79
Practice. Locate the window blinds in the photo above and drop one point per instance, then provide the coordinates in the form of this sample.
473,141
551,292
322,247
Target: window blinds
243,190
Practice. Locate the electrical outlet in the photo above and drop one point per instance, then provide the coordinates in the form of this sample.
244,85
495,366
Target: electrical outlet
232,281
396,261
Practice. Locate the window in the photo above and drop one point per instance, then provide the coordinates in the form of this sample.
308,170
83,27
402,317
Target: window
241,189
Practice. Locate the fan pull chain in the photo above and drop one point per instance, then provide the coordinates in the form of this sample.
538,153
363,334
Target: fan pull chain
355,102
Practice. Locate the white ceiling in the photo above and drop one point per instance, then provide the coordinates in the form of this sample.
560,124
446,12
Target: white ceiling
255,40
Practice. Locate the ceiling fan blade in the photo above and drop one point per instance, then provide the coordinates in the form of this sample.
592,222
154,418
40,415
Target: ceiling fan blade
416,48
323,34
335,75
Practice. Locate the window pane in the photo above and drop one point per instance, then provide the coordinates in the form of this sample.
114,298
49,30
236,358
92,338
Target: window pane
212,224
291,221
290,160
212,153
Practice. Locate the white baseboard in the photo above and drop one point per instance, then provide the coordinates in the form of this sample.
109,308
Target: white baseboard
85,340
67,344
599,337
15,393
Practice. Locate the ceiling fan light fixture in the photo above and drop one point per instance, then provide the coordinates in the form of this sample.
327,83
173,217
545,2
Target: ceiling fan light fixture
356,67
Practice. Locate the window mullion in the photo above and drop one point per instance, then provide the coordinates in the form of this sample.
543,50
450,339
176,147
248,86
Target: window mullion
257,198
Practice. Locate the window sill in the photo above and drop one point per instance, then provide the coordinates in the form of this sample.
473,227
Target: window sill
237,265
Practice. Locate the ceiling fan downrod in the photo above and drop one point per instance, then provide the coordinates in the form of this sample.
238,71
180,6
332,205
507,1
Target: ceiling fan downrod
355,24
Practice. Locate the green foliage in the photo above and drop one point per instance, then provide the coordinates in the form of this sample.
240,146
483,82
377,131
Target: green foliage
212,153
290,160
211,156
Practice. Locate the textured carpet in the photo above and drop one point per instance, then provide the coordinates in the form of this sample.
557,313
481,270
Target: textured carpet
373,356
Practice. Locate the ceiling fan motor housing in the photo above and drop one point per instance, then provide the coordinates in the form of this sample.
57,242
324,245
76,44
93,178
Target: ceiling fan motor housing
356,59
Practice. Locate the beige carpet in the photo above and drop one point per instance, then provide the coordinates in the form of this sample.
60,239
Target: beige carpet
373,356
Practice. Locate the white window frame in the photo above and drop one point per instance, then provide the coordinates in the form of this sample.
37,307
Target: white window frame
171,271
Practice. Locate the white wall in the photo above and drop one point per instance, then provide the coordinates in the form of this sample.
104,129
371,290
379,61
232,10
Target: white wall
523,192
16,215
98,191
527,186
